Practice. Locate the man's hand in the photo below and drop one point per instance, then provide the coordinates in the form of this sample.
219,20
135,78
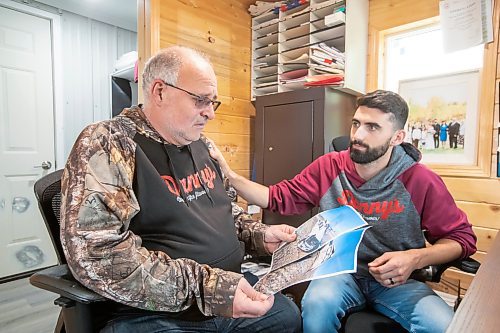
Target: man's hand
393,268
216,154
249,303
276,234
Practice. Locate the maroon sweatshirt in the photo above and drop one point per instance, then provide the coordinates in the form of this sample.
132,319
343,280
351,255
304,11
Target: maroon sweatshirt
406,203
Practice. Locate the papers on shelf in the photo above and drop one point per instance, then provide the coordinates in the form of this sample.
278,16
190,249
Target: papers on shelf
293,74
266,84
324,80
327,69
262,7
301,59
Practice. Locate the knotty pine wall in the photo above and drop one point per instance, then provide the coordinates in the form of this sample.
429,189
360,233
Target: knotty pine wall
478,196
222,30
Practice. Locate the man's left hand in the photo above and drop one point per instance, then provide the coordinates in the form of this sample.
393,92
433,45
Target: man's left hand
276,234
393,268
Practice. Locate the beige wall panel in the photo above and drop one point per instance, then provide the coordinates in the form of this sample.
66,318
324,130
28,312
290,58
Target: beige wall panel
496,119
497,98
231,143
385,14
481,215
485,238
234,87
452,276
479,256
229,125
235,12
223,33
244,172
494,145
222,30
476,190
235,107
498,67
237,160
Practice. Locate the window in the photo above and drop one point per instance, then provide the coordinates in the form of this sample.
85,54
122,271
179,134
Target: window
441,90
419,53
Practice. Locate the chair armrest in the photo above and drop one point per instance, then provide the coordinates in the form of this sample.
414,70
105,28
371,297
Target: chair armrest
433,273
59,280
467,265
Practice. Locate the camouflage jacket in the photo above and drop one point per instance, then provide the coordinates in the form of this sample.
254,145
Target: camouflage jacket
98,207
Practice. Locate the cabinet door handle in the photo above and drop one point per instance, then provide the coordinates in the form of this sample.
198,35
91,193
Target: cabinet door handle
270,148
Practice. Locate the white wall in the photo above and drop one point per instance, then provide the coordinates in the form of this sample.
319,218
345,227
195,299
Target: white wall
89,49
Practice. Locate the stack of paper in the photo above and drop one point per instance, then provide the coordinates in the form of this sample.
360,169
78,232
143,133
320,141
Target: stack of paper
261,7
302,59
327,55
326,245
328,61
325,80
295,75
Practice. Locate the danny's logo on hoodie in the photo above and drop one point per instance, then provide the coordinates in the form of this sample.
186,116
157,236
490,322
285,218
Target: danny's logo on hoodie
191,184
384,208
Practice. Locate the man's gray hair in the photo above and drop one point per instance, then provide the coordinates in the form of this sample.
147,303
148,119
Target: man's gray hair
166,64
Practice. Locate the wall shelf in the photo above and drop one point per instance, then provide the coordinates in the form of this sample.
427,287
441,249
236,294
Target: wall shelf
279,39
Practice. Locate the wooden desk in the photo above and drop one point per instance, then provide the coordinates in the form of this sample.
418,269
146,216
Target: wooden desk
480,308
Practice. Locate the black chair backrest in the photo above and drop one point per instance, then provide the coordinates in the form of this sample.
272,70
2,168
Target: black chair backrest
48,194
340,143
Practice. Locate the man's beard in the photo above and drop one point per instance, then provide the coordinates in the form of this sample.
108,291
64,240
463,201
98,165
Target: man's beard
370,154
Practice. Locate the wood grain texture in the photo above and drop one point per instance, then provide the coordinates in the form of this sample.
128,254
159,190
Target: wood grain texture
480,190
478,312
481,214
485,237
385,14
222,30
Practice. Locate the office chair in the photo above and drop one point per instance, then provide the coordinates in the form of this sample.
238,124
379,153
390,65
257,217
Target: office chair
75,300
367,320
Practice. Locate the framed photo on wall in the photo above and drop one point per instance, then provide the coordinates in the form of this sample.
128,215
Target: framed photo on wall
443,118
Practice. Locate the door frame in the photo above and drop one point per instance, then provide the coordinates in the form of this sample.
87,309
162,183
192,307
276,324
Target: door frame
57,69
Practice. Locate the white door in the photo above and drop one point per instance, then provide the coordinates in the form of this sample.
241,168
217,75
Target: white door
26,139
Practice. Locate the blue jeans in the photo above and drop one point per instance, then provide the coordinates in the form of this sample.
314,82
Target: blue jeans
284,316
413,305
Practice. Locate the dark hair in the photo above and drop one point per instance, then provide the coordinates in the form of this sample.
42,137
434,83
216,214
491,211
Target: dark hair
387,102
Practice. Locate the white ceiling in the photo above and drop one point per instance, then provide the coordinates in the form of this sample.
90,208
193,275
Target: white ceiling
122,13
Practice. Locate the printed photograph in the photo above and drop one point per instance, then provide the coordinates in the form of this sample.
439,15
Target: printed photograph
442,122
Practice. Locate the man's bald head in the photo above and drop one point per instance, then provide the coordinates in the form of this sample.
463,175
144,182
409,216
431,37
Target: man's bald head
167,63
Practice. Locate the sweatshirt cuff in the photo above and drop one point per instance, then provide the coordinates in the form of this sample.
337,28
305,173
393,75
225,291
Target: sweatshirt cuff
258,239
223,294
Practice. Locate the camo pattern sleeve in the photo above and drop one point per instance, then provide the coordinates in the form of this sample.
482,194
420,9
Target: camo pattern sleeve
249,231
98,203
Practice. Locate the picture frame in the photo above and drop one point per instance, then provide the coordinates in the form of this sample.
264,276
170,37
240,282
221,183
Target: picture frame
443,117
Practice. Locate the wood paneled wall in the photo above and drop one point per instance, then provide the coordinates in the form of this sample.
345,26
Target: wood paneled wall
222,30
478,196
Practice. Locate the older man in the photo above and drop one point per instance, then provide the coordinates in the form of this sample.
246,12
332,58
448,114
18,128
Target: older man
146,220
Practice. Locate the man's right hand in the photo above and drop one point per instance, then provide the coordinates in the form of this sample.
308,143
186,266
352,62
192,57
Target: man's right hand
249,303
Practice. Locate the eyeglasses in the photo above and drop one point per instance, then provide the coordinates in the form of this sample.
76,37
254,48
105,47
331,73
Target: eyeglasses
200,102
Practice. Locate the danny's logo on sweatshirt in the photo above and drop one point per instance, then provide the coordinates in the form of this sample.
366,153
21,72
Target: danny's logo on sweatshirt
384,208
191,184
